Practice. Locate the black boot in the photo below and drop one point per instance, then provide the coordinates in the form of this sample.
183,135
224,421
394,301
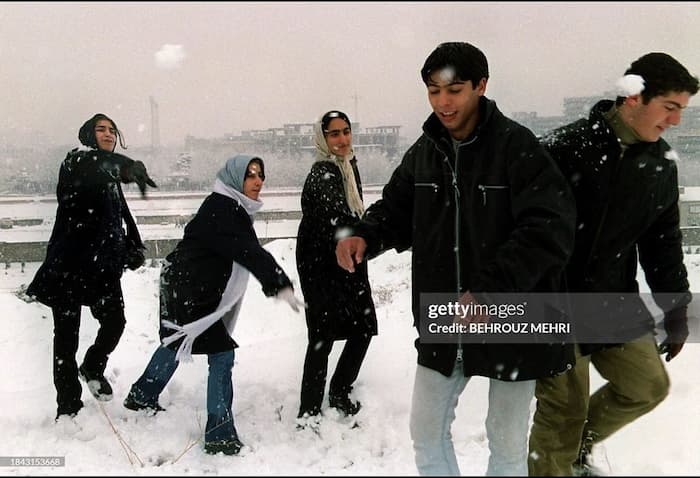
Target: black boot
132,403
584,463
343,404
97,384
227,447
69,409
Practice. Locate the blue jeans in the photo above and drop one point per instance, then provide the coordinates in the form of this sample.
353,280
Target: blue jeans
433,406
160,370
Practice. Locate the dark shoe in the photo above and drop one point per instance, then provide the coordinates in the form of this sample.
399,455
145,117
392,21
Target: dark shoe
227,447
97,384
132,404
309,421
584,463
69,410
586,469
311,412
344,405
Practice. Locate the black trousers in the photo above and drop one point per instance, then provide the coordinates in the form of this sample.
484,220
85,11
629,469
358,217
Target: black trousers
109,312
313,382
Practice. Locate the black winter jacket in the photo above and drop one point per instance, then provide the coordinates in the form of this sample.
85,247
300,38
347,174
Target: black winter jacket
626,205
86,252
339,303
498,218
195,274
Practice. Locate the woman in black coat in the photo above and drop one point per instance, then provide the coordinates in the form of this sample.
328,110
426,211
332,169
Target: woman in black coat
339,304
202,285
86,255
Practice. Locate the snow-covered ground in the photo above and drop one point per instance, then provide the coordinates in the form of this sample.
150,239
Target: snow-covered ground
267,375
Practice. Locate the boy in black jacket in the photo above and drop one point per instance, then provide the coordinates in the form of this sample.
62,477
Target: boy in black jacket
625,182
485,210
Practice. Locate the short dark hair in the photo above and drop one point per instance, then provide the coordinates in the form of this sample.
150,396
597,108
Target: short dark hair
326,119
662,74
468,61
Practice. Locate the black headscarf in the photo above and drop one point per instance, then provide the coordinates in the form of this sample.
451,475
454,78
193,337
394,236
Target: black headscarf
86,134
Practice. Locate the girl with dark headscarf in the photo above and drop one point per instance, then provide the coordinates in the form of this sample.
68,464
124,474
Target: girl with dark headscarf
86,255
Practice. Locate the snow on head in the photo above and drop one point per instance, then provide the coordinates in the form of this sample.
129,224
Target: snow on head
630,85
447,74
170,56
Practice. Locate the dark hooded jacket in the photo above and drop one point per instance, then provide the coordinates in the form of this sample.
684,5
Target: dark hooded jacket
627,208
499,217
86,253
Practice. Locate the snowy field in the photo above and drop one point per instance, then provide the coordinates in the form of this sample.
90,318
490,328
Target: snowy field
267,375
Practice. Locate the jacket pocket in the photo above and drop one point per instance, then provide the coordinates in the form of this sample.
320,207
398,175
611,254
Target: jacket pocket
435,186
489,190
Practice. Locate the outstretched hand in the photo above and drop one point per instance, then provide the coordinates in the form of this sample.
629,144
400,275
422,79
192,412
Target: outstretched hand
287,295
350,252
136,172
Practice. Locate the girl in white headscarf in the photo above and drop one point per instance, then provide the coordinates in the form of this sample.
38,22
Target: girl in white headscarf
339,304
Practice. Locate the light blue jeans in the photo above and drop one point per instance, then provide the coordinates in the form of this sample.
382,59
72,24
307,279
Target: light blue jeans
160,370
433,406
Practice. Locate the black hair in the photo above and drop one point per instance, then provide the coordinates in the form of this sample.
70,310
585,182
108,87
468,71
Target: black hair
259,162
326,119
468,61
86,134
662,74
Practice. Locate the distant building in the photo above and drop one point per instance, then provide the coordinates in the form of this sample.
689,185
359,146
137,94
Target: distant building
538,124
294,139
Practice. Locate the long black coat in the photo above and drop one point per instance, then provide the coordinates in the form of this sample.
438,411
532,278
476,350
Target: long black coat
627,208
195,274
85,256
339,303
512,232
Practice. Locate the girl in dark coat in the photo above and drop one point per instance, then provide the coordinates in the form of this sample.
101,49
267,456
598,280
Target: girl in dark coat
339,304
201,289
86,255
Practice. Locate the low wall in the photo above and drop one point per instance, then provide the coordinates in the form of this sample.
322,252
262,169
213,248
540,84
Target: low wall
36,251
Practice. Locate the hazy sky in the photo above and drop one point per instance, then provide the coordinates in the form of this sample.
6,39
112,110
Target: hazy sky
217,68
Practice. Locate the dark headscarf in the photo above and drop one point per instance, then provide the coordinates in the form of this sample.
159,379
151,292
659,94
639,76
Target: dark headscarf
86,134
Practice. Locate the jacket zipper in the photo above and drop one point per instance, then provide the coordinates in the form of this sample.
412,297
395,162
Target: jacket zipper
455,186
484,188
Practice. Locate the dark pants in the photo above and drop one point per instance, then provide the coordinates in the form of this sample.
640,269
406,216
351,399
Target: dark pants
109,312
313,382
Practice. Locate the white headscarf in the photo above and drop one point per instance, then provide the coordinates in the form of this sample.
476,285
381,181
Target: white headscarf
323,153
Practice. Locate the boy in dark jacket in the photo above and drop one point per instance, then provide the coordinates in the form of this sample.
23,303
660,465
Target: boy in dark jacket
86,256
484,209
625,182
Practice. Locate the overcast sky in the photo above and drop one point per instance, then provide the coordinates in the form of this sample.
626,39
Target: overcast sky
217,68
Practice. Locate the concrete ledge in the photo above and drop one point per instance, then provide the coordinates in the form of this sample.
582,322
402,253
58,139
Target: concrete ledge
36,251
